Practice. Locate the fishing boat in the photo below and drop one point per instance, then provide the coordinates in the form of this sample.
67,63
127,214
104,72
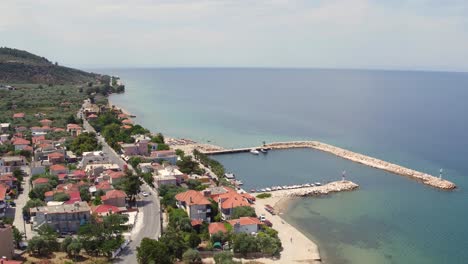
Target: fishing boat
264,151
317,184
254,151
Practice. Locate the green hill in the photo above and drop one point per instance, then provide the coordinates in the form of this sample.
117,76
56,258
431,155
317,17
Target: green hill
19,66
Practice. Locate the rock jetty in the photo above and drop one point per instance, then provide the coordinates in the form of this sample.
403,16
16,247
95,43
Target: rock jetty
331,187
368,161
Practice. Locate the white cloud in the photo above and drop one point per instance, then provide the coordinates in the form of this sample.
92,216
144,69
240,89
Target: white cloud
278,33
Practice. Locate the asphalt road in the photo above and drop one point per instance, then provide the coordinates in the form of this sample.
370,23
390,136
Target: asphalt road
149,207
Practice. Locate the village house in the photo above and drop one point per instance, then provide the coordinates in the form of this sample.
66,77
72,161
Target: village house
57,169
8,180
247,225
95,170
45,148
4,127
168,175
18,115
103,186
92,157
20,143
228,199
105,210
164,155
197,206
114,197
4,138
63,218
74,129
7,249
11,163
40,181
140,147
113,176
3,196
46,122
214,228
56,157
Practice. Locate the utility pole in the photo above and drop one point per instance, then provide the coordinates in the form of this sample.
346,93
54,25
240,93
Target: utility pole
440,174
343,175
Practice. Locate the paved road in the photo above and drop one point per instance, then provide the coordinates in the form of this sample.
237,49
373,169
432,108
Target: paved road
17,212
149,207
150,226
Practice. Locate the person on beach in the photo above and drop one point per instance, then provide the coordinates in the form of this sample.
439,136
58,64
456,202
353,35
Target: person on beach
291,239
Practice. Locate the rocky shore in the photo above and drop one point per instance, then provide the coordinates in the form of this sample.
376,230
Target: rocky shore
336,186
368,161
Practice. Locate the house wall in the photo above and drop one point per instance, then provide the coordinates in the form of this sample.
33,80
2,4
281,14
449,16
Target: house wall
119,202
200,212
66,222
6,242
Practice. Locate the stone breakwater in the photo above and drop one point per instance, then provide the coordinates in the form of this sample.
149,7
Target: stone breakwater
336,186
368,161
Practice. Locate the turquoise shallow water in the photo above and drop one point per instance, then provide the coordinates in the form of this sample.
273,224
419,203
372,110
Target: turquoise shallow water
417,119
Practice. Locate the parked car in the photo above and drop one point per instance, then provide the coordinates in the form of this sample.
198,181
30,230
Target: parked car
12,204
145,194
268,223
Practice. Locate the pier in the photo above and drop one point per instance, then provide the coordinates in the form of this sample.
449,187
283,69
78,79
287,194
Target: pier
331,187
425,178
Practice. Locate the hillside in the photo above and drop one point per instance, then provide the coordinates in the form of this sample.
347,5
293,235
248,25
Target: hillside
19,66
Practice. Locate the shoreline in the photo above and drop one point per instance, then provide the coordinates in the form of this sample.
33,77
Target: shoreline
302,241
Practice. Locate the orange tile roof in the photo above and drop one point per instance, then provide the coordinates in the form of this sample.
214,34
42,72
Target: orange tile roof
55,155
127,121
40,180
105,208
21,141
214,228
3,190
231,199
113,194
57,167
192,197
196,222
245,221
104,185
18,115
115,174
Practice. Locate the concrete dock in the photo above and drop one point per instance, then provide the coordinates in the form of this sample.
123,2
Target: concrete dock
353,156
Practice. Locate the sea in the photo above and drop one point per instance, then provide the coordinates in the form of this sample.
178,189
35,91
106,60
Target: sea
412,118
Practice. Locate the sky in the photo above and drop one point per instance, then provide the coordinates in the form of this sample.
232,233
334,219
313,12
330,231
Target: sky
369,34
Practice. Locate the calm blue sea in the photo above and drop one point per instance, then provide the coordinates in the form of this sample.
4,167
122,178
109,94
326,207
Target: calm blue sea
416,119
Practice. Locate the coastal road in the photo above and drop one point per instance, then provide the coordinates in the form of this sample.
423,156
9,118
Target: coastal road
149,215
148,222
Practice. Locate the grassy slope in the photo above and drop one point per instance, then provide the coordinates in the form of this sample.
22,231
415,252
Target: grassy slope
18,66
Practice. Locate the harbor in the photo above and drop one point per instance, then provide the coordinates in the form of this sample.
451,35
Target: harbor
433,181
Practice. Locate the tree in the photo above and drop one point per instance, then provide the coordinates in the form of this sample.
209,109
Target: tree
244,243
84,142
194,240
159,138
39,191
130,184
17,236
224,258
153,251
242,211
84,193
180,153
61,197
175,242
188,165
74,248
31,204
19,175
191,256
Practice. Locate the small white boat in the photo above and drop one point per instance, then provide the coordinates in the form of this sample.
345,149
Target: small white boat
262,190
268,189
262,150
253,190
318,184
254,151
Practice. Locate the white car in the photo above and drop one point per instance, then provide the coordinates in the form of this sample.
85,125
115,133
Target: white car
145,194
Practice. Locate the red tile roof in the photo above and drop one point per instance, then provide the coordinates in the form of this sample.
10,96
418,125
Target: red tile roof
57,167
92,116
28,148
126,127
79,173
58,129
113,194
127,121
192,197
214,228
3,190
245,221
104,185
40,180
55,155
18,115
115,174
230,199
73,126
45,121
105,208
196,222
20,141
74,197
